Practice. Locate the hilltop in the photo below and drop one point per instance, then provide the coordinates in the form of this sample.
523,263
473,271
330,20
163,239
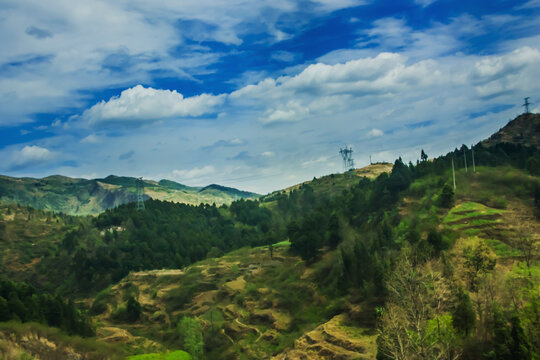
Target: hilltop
523,130
84,197
333,184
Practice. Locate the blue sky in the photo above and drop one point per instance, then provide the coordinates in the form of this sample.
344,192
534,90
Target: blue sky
257,95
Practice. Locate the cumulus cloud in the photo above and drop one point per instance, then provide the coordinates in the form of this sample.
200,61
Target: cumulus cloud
194,173
325,89
494,75
292,111
139,105
110,44
30,155
383,73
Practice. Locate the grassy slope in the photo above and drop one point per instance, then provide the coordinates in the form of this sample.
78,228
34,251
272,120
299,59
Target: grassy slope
335,183
331,185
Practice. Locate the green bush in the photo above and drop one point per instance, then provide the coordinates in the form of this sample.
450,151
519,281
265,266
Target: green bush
498,203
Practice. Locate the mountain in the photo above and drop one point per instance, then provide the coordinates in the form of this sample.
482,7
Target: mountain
85,197
523,130
214,188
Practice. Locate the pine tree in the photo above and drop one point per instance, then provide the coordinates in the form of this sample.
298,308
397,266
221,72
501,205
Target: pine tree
521,346
446,197
133,309
423,156
463,315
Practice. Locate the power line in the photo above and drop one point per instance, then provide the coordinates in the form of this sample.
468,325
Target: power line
453,173
140,193
348,161
526,105
473,164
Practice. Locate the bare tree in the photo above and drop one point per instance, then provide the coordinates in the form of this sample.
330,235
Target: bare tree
405,331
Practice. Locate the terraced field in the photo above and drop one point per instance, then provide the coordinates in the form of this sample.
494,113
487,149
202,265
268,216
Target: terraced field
479,222
256,306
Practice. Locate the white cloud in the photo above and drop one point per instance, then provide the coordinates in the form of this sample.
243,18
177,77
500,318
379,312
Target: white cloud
291,112
441,39
90,139
30,155
139,104
531,4
326,89
237,141
494,75
112,44
194,173
375,133
268,154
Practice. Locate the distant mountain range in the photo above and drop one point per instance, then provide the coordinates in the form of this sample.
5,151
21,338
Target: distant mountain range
84,197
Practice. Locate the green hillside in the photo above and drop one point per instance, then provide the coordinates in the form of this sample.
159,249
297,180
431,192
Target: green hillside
85,197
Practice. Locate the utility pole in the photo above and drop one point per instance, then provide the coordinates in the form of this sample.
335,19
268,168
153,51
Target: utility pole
473,164
526,105
370,162
465,157
454,174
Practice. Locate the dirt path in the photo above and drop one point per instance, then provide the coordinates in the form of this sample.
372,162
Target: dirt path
241,324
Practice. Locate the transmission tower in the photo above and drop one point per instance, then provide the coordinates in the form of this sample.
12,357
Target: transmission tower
140,193
346,154
526,105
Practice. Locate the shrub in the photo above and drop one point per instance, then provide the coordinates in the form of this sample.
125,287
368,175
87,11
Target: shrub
446,197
